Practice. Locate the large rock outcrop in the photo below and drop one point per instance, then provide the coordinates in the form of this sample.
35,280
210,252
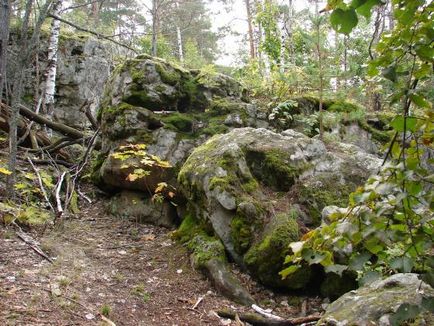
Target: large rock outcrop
169,111
253,188
385,302
83,68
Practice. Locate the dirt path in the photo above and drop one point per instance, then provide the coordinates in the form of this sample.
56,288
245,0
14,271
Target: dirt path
133,273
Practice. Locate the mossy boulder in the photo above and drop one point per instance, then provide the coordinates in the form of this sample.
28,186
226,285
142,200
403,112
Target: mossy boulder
158,85
137,206
384,302
169,109
248,187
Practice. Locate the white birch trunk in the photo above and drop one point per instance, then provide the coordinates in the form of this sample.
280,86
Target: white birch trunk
179,39
53,47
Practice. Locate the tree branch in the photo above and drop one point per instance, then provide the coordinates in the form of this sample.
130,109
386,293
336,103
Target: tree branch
92,32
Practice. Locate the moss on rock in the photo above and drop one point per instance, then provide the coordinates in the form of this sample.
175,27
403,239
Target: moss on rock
265,258
325,191
271,168
203,246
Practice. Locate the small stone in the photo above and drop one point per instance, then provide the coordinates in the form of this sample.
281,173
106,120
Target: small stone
122,252
179,271
89,316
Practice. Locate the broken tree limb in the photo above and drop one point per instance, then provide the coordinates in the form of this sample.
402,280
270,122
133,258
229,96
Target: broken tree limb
87,111
265,313
41,184
60,127
92,32
57,194
258,320
31,243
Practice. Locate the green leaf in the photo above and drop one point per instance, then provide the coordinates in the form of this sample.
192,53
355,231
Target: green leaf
428,304
364,7
398,123
344,20
289,270
390,73
420,101
337,269
413,188
405,312
369,277
357,262
425,52
373,245
403,264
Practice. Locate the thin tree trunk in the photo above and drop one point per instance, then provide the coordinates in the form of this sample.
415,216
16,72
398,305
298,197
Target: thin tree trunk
321,73
155,23
5,11
95,13
250,26
345,60
26,50
53,47
179,38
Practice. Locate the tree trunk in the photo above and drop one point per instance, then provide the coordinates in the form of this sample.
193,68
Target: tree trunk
250,25
26,48
53,47
179,39
5,9
155,23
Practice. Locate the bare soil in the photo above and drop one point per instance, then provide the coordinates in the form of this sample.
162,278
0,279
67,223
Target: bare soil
132,273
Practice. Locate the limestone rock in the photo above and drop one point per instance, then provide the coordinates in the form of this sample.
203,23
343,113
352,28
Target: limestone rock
378,303
232,182
139,207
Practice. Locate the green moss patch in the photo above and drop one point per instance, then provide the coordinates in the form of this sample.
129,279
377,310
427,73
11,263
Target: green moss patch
202,246
271,168
265,258
178,121
327,190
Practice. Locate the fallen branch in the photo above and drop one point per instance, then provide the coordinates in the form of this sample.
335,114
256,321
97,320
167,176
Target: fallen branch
86,109
198,302
41,184
58,144
265,313
57,194
60,162
32,243
258,320
92,32
60,127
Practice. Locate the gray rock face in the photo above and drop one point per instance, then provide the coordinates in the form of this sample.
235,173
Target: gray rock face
84,67
139,207
232,181
377,303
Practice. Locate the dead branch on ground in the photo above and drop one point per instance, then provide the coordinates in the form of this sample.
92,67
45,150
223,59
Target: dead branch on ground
258,320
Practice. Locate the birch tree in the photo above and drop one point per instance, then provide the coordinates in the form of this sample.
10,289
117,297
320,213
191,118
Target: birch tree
53,47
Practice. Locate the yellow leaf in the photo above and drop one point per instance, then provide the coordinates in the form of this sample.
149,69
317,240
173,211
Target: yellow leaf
160,187
132,177
171,194
5,171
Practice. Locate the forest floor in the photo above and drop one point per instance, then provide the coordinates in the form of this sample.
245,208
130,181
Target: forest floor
133,273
